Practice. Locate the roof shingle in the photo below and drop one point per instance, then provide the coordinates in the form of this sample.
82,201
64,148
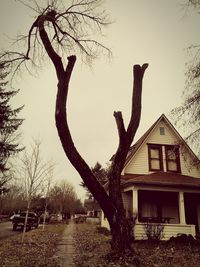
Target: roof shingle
161,178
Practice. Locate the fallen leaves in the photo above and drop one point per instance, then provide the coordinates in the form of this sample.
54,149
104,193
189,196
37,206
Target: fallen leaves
37,250
93,250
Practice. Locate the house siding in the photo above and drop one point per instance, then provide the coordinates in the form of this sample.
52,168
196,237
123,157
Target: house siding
139,162
104,221
169,231
127,200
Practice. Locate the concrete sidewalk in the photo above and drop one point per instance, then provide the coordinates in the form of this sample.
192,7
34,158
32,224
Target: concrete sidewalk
66,247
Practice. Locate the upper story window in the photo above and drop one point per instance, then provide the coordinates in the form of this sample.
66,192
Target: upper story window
156,161
172,158
162,131
155,157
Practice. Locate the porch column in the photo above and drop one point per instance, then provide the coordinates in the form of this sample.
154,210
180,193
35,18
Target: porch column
135,202
181,208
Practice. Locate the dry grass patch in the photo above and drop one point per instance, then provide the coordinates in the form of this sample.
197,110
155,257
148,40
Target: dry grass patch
90,246
37,250
93,250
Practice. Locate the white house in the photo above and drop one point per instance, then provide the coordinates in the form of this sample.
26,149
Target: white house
93,210
161,183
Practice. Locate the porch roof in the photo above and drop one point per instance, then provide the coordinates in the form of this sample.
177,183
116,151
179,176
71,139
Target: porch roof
161,178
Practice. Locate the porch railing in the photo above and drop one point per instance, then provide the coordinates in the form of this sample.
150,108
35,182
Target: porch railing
155,219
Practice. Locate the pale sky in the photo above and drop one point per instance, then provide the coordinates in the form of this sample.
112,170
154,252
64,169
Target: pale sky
157,32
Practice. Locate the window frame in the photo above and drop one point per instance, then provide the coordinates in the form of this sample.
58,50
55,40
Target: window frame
176,160
160,159
162,130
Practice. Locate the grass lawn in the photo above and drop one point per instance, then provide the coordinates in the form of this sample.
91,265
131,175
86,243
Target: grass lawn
37,250
93,250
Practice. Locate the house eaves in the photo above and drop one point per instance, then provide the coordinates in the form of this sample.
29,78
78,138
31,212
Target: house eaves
161,179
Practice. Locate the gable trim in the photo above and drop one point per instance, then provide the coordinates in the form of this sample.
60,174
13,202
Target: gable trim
141,141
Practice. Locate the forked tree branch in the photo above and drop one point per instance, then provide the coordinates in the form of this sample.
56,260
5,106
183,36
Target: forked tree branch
138,73
120,125
126,136
55,58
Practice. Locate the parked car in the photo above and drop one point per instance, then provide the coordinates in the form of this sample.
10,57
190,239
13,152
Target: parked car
19,221
14,215
54,218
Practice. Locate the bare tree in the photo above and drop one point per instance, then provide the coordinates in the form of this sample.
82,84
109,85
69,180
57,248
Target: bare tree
34,174
63,198
192,4
46,192
187,115
60,29
13,201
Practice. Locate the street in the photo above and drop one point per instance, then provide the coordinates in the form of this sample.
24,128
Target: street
6,230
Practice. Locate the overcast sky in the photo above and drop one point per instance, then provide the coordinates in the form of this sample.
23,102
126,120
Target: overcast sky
154,31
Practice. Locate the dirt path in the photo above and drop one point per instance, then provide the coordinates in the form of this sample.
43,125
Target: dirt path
66,247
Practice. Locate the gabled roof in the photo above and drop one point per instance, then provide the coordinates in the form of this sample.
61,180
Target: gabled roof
161,178
138,144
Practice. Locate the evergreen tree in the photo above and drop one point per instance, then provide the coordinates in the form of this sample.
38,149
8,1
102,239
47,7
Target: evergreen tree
9,124
101,174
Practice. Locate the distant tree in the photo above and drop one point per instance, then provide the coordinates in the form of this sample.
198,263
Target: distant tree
187,115
62,198
61,29
9,124
38,203
78,206
101,173
46,193
34,172
13,201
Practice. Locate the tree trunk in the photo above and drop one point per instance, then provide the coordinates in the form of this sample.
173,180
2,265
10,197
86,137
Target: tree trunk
111,204
119,224
121,233
26,219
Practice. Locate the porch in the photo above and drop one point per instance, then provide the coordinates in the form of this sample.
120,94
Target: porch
177,211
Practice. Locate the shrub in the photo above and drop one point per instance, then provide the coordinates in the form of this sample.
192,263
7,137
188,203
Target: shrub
80,219
183,239
154,231
103,230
